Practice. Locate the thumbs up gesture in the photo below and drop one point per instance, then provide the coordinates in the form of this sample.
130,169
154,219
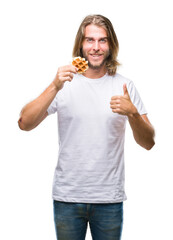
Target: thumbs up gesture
122,104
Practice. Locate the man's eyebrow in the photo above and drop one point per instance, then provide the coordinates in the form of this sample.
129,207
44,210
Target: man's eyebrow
89,37
93,38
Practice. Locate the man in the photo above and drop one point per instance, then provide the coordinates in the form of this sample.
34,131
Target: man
92,111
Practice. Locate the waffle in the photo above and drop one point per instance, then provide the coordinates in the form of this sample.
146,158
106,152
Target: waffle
81,64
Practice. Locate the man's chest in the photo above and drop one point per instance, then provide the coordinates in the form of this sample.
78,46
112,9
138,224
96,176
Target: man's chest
89,107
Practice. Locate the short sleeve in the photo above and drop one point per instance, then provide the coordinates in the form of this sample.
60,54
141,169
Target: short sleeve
136,99
53,106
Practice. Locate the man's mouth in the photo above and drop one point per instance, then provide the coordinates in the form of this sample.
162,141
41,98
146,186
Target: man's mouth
95,55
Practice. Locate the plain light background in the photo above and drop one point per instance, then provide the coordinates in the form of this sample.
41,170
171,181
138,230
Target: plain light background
37,37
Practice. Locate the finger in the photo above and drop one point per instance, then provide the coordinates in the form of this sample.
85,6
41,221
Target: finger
68,78
125,89
115,97
115,106
116,110
66,74
116,101
68,68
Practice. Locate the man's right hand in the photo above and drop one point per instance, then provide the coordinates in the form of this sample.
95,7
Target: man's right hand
64,74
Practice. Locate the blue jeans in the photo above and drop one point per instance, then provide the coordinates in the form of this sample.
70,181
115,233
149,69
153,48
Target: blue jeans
71,219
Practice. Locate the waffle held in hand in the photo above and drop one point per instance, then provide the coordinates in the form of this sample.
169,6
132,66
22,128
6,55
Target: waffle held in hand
81,64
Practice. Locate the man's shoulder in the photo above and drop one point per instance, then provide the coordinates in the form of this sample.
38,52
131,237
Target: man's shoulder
122,78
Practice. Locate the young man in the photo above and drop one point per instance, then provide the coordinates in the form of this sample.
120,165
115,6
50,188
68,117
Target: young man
92,111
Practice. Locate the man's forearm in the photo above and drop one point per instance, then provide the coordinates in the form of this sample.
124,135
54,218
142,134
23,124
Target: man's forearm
142,130
34,112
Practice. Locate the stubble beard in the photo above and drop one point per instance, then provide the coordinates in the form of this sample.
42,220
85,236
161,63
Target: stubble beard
96,67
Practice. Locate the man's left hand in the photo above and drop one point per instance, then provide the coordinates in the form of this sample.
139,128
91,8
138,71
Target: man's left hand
123,104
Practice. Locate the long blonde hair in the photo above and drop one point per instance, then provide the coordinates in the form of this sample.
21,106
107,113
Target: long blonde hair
101,21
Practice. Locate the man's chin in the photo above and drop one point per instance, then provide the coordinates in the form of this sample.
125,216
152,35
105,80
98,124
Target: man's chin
95,66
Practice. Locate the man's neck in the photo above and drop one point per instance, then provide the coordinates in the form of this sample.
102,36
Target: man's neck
95,73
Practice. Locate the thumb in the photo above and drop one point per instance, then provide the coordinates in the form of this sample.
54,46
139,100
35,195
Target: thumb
125,90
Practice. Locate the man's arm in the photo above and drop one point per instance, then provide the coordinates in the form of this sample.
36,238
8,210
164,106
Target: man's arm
36,111
143,131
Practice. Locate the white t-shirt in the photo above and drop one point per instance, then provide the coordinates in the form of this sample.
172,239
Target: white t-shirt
90,166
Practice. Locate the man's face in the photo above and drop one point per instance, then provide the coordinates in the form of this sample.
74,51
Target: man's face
95,47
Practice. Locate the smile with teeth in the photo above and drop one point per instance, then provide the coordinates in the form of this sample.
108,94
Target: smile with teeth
95,55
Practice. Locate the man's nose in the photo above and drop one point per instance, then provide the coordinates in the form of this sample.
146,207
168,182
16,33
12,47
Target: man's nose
96,45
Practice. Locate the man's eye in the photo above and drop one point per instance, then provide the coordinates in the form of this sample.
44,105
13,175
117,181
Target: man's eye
89,40
103,40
